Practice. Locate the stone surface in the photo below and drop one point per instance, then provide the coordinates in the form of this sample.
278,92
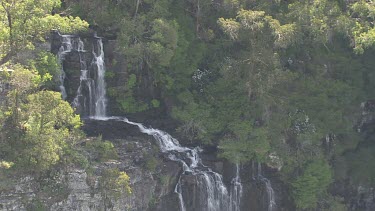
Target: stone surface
82,190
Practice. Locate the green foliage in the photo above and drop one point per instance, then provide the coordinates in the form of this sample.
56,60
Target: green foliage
313,182
151,162
132,81
114,183
102,150
247,144
5,164
24,22
109,74
335,204
48,123
255,78
76,157
39,126
130,105
46,65
155,103
358,167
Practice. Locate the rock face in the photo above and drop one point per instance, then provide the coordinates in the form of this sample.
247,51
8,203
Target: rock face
79,189
153,180
152,187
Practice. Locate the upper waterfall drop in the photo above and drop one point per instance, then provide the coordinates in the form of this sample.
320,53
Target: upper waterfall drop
65,48
90,97
100,98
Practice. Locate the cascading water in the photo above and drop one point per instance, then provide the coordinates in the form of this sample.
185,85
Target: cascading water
235,191
65,48
85,83
90,99
100,98
271,203
212,194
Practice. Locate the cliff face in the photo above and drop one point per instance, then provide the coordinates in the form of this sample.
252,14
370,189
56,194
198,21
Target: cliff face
79,189
153,177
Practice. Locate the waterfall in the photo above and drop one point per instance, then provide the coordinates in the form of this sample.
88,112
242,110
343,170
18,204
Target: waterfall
86,83
90,99
235,191
271,203
212,193
178,191
100,99
65,48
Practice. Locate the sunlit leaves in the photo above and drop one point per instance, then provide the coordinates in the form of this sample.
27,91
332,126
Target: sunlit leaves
114,183
48,122
230,27
249,22
24,22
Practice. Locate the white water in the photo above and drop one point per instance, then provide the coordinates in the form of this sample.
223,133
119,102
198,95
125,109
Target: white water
65,48
267,183
100,99
235,191
213,195
85,82
90,97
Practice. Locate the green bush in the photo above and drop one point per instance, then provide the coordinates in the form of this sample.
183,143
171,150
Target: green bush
313,182
109,74
130,105
150,162
114,183
46,64
155,103
102,150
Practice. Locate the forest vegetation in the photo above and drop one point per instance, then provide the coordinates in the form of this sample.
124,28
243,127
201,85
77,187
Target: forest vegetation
279,82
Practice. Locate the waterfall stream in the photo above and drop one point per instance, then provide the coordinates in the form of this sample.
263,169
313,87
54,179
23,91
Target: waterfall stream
90,99
100,99
271,203
65,48
210,192
235,191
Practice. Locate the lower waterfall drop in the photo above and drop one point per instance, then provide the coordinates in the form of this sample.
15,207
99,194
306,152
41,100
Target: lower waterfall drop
235,191
270,192
214,194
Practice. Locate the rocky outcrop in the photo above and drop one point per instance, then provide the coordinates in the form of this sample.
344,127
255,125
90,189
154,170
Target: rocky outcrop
79,189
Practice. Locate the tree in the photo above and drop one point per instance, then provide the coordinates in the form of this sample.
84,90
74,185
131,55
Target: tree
311,184
114,183
24,22
50,127
23,82
245,144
